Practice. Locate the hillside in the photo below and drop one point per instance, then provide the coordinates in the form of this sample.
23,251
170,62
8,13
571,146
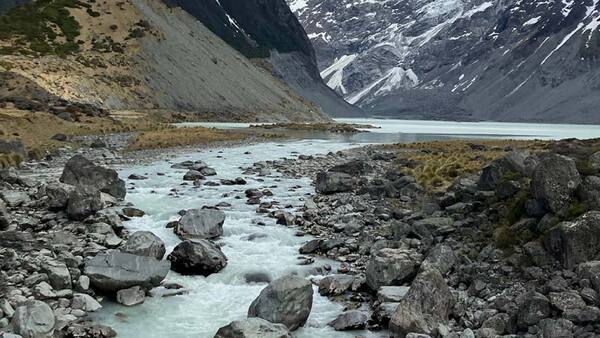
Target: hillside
75,56
460,59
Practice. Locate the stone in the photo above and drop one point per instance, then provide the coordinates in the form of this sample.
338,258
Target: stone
253,328
137,177
144,243
532,307
57,195
335,284
13,147
331,183
58,274
583,315
553,328
350,320
201,224
287,300
354,168
441,258
79,171
576,241
83,202
87,303
114,270
34,319
193,175
392,267
133,212
564,301
392,293
554,182
311,246
14,198
197,257
589,191
590,271
132,296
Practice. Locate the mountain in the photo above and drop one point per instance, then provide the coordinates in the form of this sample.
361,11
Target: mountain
266,30
65,55
500,60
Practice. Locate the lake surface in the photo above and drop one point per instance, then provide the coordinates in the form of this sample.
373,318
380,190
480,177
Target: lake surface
215,301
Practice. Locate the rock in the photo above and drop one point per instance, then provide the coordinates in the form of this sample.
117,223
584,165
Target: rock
57,195
84,201
208,171
90,330
80,171
576,241
392,267
441,258
286,300
84,302
331,183
566,300
335,284
13,147
589,191
145,243
532,307
590,271
34,319
133,212
393,294
354,168
311,246
518,162
59,137
554,181
136,177
193,175
131,296
14,198
197,257
58,274
425,307
257,277
98,143
114,270
253,328
201,224
553,328
350,320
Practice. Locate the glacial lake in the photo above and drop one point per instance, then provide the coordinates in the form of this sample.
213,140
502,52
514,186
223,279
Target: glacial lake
216,300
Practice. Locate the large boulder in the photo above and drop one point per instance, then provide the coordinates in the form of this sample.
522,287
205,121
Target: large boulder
114,270
287,300
392,267
355,168
351,320
253,328
517,162
532,308
80,171
554,182
34,319
57,195
441,257
84,201
332,182
200,224
58,274
335,284
576,241
197,257
425,307
589,192
590,271
145,243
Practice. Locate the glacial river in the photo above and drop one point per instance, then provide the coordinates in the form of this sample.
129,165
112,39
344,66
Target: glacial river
215,301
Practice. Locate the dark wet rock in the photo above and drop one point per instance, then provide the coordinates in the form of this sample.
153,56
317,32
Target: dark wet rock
193,175
350,320
133,212
79,171
354,168
191,165
554,182
331,183
286,300
253,328
132,296
532,307
84,201
576,241
197,257
144,243
137,177
208,171
257,277
59,137
114,270
34,319
392,267
311,246
98,143
335,284
201,224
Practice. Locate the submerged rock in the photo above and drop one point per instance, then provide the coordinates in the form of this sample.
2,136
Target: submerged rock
197,257
200,224
132,296
253,328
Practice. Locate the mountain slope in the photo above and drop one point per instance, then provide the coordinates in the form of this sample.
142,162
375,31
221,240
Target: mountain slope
503,60
268,30
139,54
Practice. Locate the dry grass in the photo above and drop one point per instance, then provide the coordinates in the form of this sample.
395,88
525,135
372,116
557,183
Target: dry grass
437,164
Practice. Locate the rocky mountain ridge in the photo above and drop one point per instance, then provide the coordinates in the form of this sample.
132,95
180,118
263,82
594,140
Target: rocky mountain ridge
501,60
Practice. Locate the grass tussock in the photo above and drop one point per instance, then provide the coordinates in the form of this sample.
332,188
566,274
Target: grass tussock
182,137
436,164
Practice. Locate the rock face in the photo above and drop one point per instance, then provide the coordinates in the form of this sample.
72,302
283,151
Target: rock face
554,182
114,271
287,300
145,243
34,319
197,257
80,171
577,241
331,183
84,201
253,328
392,267
201,224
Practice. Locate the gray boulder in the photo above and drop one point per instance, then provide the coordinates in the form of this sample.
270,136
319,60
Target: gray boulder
554,182
392,267
200,224
286,300
517,162
14,198
58,274
356,167
253,328
552,328
350,320
335,284
132,296
193,175
332,182
576,241
590,271
144,243
114,270
589,192
34,319
84,201
197,257
57,195
532,307
394,294
80,171
441,257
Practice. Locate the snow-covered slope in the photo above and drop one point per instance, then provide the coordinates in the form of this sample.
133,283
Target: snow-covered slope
460,59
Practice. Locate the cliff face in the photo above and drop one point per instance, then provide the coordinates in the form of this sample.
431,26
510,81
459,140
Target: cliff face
268,30
138,54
